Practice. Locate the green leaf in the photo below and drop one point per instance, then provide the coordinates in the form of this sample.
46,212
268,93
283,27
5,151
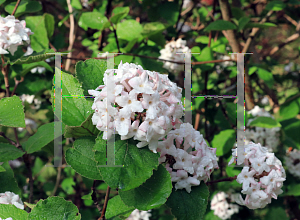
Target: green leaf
205,55
288,110
202,40
12,112
220,25
76,4
66,18
31,206
43,136
293,190
117,207
39,39
86,129
75,108
35,57
94,20
224,141
129,30
49,24
275,6
242,22
291,129
7,180
265,122
252,70
138,163
11,211
151,194
189,206
90,73
2,169
67,185
88,196
257,25
2,1
24,7
81,158
276,213
119,13
152,28
9,152
54,208
266,76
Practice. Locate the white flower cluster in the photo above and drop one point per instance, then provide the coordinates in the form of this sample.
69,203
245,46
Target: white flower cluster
268,136
31,100
148,105
174,51
139,215
11,198
262,176
292,161
187,169
221,207
12,34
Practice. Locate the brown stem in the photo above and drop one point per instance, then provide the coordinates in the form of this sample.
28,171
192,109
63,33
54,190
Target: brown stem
17,82
105,204
5,74
229,179
205,105
179,15
16,6
71,34
10,141
226,14
116,37
94,196
27,161
57,181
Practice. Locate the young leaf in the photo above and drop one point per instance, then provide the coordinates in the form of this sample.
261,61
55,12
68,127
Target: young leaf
31,206
151,194
11,211
138,163
43,136
49,24
189,206
275,6
224,141
242,22
81,158
34,57
76,4
94,20
90,73
39,40
117,207
9,152
119,13
2,169
289,110
129,29
12,112
257,25
54,208
220,25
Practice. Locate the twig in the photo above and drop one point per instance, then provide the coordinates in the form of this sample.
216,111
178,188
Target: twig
186,17
27,162
5,74
94,197
205,105
254,32
197,121
71,34
229,179
116,37
107,14
290,20
179,15
17,82
105,204
52,47
10,141
287,41
16,6
57,181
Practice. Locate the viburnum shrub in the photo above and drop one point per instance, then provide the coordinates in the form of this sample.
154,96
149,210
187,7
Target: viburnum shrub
158,166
